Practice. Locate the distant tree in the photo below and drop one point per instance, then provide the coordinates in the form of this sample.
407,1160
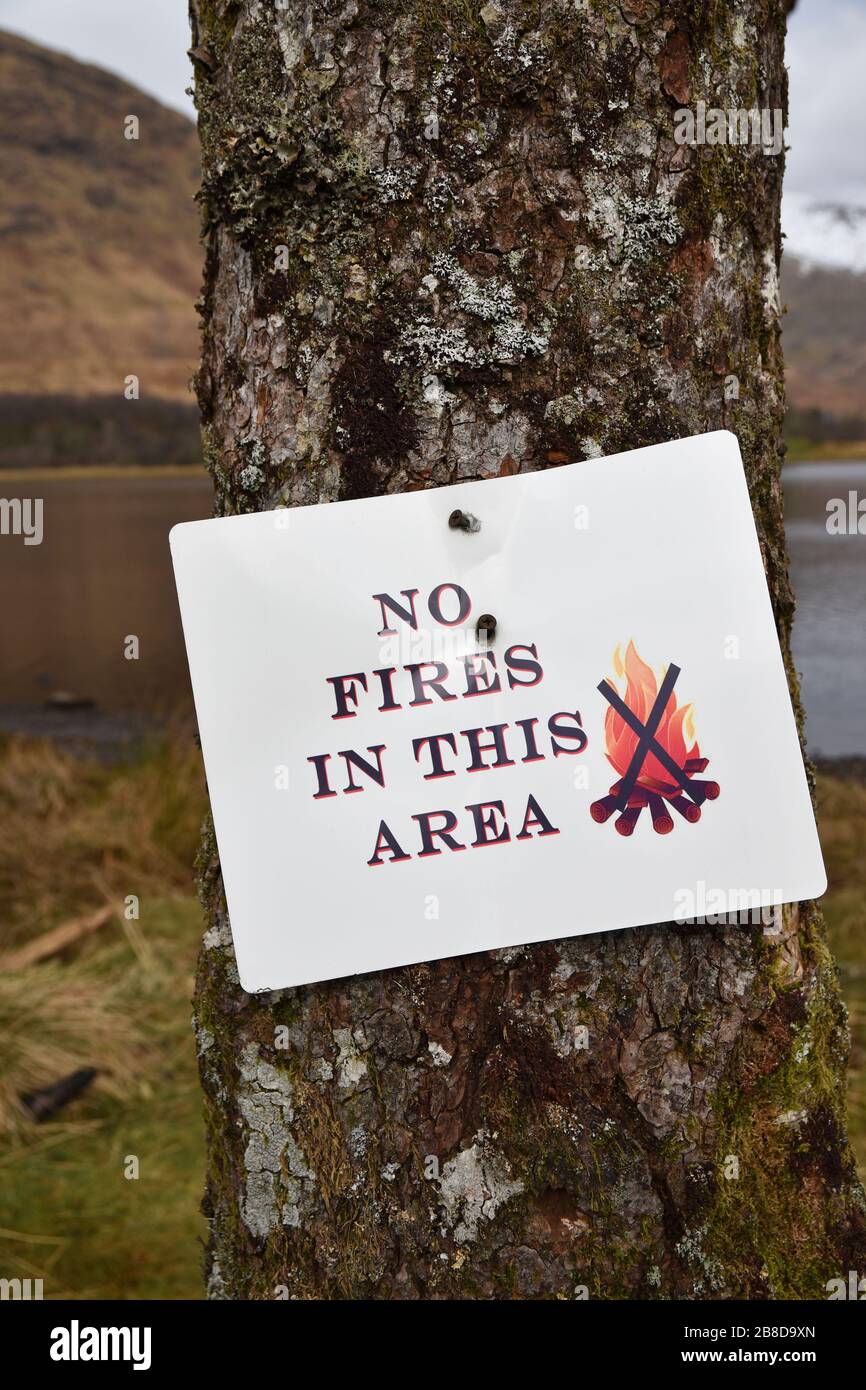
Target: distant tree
448,241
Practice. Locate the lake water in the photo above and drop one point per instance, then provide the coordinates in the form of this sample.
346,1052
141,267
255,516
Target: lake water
829,577
103,572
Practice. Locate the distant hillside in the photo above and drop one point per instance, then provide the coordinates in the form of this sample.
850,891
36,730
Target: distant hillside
100,262
824,329
100,265
824,335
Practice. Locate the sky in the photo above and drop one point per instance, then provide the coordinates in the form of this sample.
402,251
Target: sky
145,41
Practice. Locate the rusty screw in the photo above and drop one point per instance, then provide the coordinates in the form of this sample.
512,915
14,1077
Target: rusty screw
485,628
463,521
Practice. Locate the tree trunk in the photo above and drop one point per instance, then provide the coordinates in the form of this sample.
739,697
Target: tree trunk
449,242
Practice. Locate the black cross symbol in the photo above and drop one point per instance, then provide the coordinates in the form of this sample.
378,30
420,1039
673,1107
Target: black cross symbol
647,742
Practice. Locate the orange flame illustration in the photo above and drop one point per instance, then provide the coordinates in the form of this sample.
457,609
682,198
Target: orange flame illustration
676,732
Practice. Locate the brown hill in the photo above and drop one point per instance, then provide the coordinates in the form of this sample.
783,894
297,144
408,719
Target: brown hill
824,337
100,261
100,265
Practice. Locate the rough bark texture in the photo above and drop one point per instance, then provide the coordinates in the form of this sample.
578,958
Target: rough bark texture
498,259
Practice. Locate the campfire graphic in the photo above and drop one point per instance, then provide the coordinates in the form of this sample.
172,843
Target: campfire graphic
650,742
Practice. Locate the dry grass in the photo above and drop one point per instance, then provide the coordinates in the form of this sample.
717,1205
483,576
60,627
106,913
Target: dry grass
55,1018
85,834
118,1000
70,1215
82,833
842,826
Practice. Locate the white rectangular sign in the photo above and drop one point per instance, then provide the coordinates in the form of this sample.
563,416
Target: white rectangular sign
622,744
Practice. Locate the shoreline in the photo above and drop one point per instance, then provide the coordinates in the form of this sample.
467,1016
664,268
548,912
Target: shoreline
81,472
796,451
85,472
106,731
848,452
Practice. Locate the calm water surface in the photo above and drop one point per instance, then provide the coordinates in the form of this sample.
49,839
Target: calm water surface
829,576
103,571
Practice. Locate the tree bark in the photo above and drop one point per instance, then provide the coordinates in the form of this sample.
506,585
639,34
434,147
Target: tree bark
449,242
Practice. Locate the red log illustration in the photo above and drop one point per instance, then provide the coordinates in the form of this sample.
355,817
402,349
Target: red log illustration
602,810
663,821
626,823
686,808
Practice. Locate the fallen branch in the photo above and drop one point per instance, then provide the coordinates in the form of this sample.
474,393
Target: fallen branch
51,943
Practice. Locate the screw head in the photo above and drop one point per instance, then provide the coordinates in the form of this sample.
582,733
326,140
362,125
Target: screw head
463,521
485,628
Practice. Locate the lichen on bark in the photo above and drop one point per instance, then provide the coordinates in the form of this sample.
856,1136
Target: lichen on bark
458,241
